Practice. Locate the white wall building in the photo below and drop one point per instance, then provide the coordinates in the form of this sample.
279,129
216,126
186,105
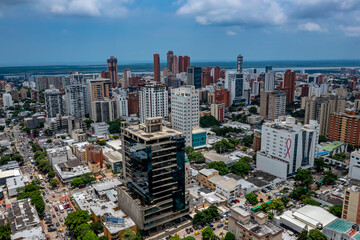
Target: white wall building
185,111
59,155
269,84
7,100
153,101
287,146
54,102
354,167
76,100
122,105
100,129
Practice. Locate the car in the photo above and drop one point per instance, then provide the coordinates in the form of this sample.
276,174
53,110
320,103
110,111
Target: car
61,220
58,224
53,195
58,213
191,230
187,231
54,216
47,200
50,225
220,225
52,230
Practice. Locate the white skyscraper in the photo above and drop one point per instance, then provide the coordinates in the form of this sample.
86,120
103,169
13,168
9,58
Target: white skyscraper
54,102
7,100
122,105
76,99
185,115
153,101
287,146
269,81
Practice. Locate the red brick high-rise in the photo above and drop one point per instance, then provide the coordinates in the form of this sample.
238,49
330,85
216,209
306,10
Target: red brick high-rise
216,74
133,103
344,128
206,76
169,58
94,154
105,74
157,67
112,68
175,68
223,73
181,64
305,90
289,85
186,63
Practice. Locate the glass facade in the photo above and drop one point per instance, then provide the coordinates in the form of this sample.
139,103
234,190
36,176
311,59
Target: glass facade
199,139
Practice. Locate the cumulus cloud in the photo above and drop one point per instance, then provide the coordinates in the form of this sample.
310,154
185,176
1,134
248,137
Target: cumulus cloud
234,12
351,31
230,33
311,27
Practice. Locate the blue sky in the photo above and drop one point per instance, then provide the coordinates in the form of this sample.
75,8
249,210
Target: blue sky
37,32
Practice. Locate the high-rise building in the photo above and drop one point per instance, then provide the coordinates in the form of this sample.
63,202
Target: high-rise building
181,64
320,109
154,193
157,68
268,68
34,95
289,85
344,128
216,74
351,204
122,105
7,100
287,146
354,166
76,100
185,114
194,76
186,63
218,111
272,104
54,102
175,66
94,158
113,69
239,87
305,90
15,94
133,103
102,107
127,75
240,61
170,60
269,84
206,77
153,101
23,93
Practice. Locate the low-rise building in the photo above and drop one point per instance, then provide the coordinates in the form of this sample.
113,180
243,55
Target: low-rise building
24,221
69,170
78,135
5,174
94,158
100,129
252,226
341,229
204,176
34,121
354,167
14,185
228,187
58,123
114,159
58,155
79,150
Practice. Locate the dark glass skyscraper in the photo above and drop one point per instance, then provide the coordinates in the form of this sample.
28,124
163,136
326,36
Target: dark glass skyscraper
194,76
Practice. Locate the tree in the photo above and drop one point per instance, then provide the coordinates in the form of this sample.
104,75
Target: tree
76,182
322,138
240,168
51,174
304,176
339,156
285,201
88,178
27,130
81,230
319,164
330,178
128,235
299,193
251,198
253,110
189,149
77,218
96,227
35,132
229,236
315,234
197,157
189,238
115,126
220,166
247,140
49,141
101,143
310,201
207,233
208,121
336,210
18,158
54,182
5,159
304,234
5,232
90,236
115,137
350,147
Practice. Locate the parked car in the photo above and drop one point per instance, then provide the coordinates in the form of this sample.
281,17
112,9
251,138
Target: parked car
58,224
52,230
220,225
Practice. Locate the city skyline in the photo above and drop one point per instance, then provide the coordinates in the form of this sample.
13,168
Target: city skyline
76,31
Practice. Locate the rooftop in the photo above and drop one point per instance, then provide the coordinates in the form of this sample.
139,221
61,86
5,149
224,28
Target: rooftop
340,225
113,156
207,172
332,146
163,132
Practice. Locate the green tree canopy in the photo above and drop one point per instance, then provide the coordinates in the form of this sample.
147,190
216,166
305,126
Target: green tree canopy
315,234
128,235
322,138
51,174
5,232
115,126
252,198
304,176
247,140
77,218
5,159
90,236
253,110
240,168
220,166
208,121
229,236
336,210
81,230
330,178
319,164
339,156
54,182
88,178
189,149
76,182
207,233
96,227
197,157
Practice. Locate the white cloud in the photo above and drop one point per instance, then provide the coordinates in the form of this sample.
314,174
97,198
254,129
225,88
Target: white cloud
230,33
88,8
351,31
234,12
311,27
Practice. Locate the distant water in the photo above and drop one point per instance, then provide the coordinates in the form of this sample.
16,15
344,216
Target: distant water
309,66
